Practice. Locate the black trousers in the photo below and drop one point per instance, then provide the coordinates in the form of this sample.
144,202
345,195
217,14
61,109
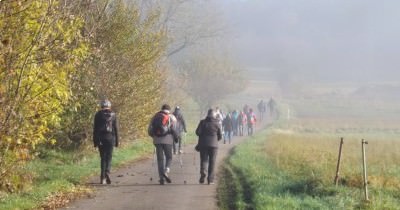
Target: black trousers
164,152
106,149
208,157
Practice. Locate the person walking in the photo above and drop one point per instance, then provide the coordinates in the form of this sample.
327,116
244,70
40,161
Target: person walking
209,133
272,107
261,109
162,129
251,122
242,121
180,128
105,137
235,123
228,128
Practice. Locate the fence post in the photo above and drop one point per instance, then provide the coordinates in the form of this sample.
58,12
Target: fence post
363,143
338,162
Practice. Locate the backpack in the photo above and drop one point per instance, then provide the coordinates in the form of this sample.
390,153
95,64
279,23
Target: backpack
179,122
107,126
250,118
160,124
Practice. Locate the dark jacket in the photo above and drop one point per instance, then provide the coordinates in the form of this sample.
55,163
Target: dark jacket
209,132
181,124
98,135
227,123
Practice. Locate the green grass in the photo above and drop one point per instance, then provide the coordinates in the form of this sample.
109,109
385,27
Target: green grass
295,171
63,172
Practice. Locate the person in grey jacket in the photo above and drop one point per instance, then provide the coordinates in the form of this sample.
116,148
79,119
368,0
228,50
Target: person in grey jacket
209,132
163,144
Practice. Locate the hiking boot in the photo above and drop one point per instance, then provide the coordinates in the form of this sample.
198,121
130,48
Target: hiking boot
108,180
165,175
103,181
201,180
161,181
166,170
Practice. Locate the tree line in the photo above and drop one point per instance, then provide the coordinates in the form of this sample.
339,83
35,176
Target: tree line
59,58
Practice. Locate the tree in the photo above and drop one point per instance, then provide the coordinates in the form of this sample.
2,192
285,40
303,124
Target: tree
40,48
188,23
212,78
123,66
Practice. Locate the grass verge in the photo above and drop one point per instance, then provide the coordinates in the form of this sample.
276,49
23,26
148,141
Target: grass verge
59,175
286,171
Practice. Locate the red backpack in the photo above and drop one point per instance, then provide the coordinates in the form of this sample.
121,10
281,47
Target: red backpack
160,124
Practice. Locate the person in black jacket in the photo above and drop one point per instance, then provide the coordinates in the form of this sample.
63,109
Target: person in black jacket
228,128
105,137
180,128
209,132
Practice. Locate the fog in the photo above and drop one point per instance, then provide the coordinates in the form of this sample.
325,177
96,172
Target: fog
339,40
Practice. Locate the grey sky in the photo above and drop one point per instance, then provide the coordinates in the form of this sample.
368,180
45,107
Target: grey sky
341,39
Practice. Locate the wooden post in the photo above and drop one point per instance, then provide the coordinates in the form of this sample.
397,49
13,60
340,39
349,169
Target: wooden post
338,162
363,143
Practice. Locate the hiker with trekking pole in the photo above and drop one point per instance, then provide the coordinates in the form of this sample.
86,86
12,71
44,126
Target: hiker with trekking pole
209,132
162,129
180,128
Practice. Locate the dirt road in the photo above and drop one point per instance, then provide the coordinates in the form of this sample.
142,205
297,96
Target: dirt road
132,187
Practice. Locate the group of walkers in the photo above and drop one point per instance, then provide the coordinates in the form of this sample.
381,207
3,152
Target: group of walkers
237,123
167,130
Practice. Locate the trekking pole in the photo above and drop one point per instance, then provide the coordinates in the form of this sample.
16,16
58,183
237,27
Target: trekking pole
363,143
338,162
153,164
182,170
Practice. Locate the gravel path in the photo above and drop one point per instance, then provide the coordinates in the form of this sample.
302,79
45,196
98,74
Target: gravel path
136,186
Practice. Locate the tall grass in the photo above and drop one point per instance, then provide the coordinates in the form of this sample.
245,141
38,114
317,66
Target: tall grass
281,169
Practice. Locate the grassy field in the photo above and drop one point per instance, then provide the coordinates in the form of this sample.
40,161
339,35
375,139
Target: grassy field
279,170
292,164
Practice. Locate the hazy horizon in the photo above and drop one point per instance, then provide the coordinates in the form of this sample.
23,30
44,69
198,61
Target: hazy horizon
328,40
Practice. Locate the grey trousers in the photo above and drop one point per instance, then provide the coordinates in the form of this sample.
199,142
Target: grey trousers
163,152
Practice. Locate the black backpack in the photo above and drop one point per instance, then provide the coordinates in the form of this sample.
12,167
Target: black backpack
160,124
107,123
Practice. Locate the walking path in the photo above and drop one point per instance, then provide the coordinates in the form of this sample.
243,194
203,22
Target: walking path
136,186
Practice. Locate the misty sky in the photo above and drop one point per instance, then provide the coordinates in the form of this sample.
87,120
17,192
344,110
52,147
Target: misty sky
341,39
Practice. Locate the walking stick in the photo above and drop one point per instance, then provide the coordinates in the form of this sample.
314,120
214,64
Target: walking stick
153,164
180,158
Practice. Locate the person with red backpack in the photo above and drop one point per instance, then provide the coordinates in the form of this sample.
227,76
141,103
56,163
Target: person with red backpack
162,129
105,137
251,122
